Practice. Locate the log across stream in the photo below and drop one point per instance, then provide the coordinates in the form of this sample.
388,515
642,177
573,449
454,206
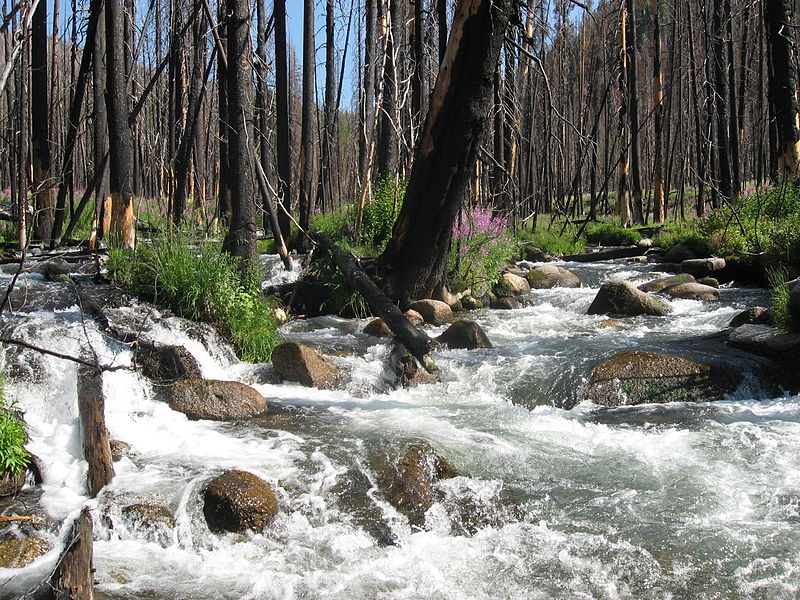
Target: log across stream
555,497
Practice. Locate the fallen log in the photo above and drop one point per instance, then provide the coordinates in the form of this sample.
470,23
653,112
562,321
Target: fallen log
94,435
611,254
73,577
414,339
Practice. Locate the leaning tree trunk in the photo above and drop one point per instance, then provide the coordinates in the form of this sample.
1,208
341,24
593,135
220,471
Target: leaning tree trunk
782,86
123,229
415,258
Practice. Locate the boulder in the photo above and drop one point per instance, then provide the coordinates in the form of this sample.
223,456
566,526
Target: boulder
546,277
304,364
237,501
679,253
645,243
504,304
711,281
511,284
119,449
692,291
636,377
434,312
215,400
154,521
464,334
412,487
782,346
16,553
755,315
407,370
378,328
703,267
56,269
470,303
621,298
534,254
657,285
413,317
166,364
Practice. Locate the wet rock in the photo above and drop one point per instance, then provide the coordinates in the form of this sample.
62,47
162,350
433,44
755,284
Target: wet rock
166,364
464,334
407,370
434,312
636,377
703,267
11,484
56,269
504,304
155,521
679,253
710,281
546,277
782,346
692,291
534,254
16,553
413,317
470,303
511,284
280,315
238,501
621,298
378,328
412,487
664,282
606,323
645,243
755,315
119,449
25,365
304,364
215,400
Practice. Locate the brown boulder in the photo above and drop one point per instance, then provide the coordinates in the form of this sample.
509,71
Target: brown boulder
413,317
412,487
464,334
166,364
154,521
16,553
692,291
304,364
636,377
237,501
434,312
378,328
511,284
657,285
546,277
215,400
504,304
703,267
619,297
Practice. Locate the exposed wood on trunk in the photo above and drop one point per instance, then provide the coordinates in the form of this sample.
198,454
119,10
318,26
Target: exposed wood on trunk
94,436
73,578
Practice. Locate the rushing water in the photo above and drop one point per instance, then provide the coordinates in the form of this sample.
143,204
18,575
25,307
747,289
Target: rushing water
657,502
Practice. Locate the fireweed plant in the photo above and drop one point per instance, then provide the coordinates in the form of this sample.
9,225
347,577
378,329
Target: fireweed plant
480,249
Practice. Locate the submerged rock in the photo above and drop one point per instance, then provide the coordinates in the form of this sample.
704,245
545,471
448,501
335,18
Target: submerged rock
546,277
637,377
378,328
755,315
407,370
166,364
621,298
692,291
664,282
156,522
16,553
504,304
782,346
434,312
412,487
215,400
238,501
304,364
464,334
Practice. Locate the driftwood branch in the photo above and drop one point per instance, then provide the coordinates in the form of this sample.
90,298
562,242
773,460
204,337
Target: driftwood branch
414,339
94,435
73,577
75,359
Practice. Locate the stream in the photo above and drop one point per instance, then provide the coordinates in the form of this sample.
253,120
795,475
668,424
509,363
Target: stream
567,500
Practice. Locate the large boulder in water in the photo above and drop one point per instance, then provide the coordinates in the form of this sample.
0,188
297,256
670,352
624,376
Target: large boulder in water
657,285
504,304
237,501
692,291
378,328
621,298
16,553
546,277
755,315
637,377
464,334
304,364
703,267
166,364
215,400
412,487
434,312
511,284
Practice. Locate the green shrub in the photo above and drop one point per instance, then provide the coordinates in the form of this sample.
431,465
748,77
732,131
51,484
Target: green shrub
381,212
610,234
551,241
199,281
780,316
13,456
337,225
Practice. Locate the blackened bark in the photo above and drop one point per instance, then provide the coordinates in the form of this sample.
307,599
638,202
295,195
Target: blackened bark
387,155
330,128
40,119
441,16
224,191
415,258
721,97
282,116
633,114
306,204
367,112
100,131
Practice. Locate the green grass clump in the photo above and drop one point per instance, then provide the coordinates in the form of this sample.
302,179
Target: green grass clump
780,315
201,282
611,234
13,456
552,241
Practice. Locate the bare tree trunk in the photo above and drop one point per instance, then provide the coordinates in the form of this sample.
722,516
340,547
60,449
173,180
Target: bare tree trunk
631,90
100,129
659,207
330,132
721,96
306,204
40,119
282,114
367,112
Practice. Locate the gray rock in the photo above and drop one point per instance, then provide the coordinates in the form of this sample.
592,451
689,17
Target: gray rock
546,277
166,364
301,363
692,291
434,312
464,334
679,253
755,315
657,285
511,284
782,346
621,298
238,501
504,304
703,267
215,400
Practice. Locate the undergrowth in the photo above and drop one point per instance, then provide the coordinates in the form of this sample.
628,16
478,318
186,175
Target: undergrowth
198,281
13,456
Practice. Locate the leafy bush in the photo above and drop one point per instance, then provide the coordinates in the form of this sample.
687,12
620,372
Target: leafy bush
551,241
480,249
381,212
13,456
686,232
780,316
200,282
610,234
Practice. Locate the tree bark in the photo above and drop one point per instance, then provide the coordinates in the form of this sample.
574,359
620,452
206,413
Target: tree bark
659,206
73,578
631,91
40,119
415,258
282,116
306,204
94,436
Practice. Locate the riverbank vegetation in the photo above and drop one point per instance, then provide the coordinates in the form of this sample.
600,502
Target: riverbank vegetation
13,456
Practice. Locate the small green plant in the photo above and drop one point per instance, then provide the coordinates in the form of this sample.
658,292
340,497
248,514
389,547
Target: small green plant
551,241
13,456
780,316
199,281
381,212
611,234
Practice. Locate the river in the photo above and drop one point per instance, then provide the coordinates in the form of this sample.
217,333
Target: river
566,500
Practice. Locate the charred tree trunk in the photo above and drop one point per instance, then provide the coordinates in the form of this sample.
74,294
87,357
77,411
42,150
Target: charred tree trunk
306,204
659,205
100,131
40,119
721,96
282,116
782,87
330,129
387,155
367,112
94,436
224,191
633,114
415,258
